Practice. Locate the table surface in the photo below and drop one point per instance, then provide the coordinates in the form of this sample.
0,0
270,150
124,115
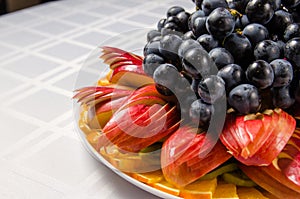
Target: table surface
42,50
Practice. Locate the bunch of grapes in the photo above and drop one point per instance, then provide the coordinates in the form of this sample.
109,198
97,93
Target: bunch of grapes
246,52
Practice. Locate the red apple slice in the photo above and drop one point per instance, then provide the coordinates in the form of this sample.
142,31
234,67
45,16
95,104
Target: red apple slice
267,182
130,75
182,157
264,136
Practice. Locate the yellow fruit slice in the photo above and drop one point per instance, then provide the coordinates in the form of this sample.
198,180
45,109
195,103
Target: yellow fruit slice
203,189
167,187
249,193
225,191
150,177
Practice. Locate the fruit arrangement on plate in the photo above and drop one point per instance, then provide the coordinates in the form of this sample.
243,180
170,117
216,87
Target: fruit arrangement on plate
212,109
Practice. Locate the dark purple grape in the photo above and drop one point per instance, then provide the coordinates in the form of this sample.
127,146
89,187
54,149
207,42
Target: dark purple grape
183,18
187,45
189,35
240,48
220,23
161,24
293,30
200,112
211,89
283,72
267,50
232,75
197,63
209,5
173,19
292,51
260,73
198,27
152,48
282,97
174,10
208,42
164,77
245,99
259,11
241,22
151,62
279,22
152,34
256,33
194,16
168,47
221,57
170,26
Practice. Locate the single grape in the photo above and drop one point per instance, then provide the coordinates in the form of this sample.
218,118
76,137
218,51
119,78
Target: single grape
267,50
183,18
260,73
240,48
164,77
209,5
197,63
151,62
292,51
259,11
152,34
187,45
232,75
283,72
256,33
198,27
245,99
161,24
173,19
174,10
208,42
293,30
193,17
200,112
220,23
152,48
221,57
168,47
211,89
280,21
170,26
282,97
189,35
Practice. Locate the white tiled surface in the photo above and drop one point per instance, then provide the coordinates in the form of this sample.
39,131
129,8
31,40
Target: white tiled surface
42,49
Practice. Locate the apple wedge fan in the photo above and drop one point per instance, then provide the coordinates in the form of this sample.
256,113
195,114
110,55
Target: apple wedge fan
151,117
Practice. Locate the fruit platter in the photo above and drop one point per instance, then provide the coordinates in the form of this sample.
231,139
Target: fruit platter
210,110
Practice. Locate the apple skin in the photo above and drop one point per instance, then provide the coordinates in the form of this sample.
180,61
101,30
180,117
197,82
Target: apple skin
116,57
186,156
257,139
130,75
147,125
267,182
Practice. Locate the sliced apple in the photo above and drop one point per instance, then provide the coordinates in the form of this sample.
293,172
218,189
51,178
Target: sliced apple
257,139
115,57
130,75
267,182
182,156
